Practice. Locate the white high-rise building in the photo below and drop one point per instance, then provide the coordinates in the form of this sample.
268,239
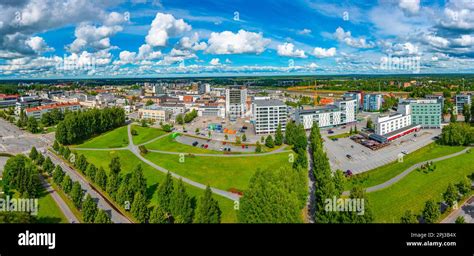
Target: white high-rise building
204,88
268,114
235,101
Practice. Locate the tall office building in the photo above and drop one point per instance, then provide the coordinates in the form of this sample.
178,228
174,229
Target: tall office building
268,114
461,100
235,101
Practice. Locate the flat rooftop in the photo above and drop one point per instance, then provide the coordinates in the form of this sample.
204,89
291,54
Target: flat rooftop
268,103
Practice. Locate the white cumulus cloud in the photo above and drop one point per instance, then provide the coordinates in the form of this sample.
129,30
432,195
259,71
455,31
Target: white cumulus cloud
228,42
324,53
163,27
288,50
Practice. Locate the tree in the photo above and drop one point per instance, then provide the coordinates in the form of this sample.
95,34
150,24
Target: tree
358,193
355,129
101,178
453,117
113,184
301,160
58,175
138,181
102,217
165,192
237,140
139,208
460,220
56,145
467,113
409,218
457,134
40,159
21,174
159,215
207,210
289,133
258,147
339,182
144,123
431,212
180,119
32,125
48,166
351,131
269,143
77,194
268,200
370,124
278,136
226,137
451,195
115,165
33,153
67,153
181,204
209,134
81,163
143,149
91,172
244,137
89,209
149,103
464,186
66,185
262,139
197,131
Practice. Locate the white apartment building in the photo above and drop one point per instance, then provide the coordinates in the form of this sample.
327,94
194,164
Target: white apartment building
342,112
235,101
208,111
390,123
268,114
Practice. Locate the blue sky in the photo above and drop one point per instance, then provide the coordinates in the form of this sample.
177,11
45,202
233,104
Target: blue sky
161,38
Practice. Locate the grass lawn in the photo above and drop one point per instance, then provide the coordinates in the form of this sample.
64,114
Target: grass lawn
49,211
145,134
340,136
383,173
154,177
219,172
117,138
415,189
171,145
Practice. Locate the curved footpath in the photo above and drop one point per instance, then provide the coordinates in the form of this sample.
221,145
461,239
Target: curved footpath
408,171
134,149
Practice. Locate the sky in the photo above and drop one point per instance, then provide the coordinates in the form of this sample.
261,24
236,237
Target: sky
165,38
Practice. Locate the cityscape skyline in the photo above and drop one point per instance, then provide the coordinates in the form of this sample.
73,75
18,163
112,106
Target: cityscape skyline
39,39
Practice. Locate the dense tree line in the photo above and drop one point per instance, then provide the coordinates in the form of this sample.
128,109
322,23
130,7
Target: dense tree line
88,206
53,117
81,125
278,196
21,174
129,190
457,134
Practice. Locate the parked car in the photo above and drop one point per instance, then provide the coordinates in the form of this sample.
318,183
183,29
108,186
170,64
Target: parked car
349,156
330,131
405,152
206,146
195,143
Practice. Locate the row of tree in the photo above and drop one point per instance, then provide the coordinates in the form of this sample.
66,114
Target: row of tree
88,206
186,118
82,125
329,186
278,196
129,190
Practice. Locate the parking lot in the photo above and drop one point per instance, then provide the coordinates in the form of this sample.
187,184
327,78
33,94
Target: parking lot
363,159
15,141
214,145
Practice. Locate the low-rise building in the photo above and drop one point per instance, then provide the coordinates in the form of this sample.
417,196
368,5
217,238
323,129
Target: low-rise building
154,113
212,111
39,111
342,112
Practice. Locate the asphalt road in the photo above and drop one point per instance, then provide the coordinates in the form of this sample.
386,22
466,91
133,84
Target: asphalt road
466,210
60,202
21,142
